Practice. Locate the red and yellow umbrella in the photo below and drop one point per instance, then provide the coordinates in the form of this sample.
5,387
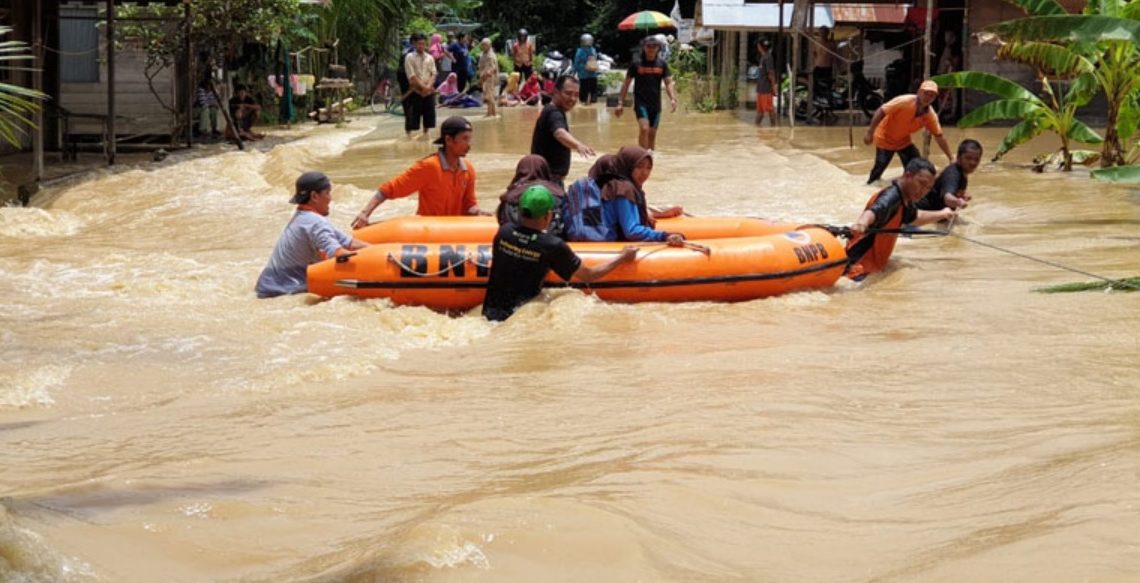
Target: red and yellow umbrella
646,20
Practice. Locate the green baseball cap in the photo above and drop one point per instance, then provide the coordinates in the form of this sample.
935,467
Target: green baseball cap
536,201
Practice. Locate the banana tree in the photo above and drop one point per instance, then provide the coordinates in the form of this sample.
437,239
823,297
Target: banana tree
1107,35
17,104
1037,115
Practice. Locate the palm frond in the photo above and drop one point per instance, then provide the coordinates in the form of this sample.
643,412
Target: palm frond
1081,132
1039,7
1118,174
1055,60
1000,109
1019,134
1070,28
986,82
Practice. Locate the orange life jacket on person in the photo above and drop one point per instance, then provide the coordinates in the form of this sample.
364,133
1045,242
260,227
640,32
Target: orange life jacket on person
869,253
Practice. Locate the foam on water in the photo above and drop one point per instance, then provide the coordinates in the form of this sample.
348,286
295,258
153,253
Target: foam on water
26,558
22,387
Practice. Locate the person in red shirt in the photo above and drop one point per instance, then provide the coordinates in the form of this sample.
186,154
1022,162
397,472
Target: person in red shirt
445,181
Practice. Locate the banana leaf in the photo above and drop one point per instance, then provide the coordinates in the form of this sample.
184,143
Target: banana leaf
1105,7
1054,60
1085,157
1000,109
986,82
1071,28
1039,7
1118,174
1083,133
1125,284
1021,133
1128,119
1082,90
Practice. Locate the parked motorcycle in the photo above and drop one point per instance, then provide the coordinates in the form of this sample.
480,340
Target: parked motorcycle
560,64
830,98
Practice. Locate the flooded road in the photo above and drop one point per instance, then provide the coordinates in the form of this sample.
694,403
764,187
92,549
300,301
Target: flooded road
939,422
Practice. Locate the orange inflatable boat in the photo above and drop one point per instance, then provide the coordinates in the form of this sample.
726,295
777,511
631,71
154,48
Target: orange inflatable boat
453,275
483,229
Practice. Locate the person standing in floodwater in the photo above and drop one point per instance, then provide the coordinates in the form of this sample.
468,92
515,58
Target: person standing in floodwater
420,104
896,120
552,138
765,83
647,73
888,209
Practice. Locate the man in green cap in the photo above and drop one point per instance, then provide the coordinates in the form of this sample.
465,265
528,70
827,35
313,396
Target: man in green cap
524,253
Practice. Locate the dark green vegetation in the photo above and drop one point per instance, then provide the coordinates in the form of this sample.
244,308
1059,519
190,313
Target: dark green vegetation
1127,284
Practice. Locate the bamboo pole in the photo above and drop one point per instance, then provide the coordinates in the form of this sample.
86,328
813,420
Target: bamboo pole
38,85
111,130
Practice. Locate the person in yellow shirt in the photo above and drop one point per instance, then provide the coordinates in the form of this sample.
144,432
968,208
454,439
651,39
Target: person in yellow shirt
896,120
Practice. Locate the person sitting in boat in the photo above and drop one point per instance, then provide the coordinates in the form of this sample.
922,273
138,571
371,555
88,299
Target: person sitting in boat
591,209
445,180
524,253
623,193
308,238
890,209
532,169
950,187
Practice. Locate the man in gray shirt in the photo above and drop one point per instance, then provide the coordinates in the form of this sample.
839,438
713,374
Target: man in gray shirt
308,238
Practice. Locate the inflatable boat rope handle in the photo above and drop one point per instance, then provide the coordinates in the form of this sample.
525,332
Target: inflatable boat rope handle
702,249
410,271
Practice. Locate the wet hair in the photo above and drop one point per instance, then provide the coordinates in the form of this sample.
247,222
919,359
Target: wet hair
562,81
969,146
917,165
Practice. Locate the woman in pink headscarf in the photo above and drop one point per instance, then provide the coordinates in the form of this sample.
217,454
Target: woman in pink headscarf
449,87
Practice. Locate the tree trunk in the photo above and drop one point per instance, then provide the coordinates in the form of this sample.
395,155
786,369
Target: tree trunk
1111,153
1066,155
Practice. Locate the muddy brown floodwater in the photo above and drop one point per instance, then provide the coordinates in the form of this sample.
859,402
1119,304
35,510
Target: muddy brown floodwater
939,422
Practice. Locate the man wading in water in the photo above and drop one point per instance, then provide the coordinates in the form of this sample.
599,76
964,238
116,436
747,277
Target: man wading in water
523,254
646,73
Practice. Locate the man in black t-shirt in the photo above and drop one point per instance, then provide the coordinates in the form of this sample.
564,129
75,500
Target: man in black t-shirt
950,188
646,73
552,138
524,253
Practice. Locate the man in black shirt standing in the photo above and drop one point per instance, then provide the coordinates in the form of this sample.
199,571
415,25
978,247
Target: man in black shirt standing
646,73
950,187
524,253
552,138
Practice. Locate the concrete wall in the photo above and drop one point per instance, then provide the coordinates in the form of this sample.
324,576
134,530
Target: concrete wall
982,57
137,110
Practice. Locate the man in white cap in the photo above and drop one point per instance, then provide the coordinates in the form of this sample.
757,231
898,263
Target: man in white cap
308,238
896,120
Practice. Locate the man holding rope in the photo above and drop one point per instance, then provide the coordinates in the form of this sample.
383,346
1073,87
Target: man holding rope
888,210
